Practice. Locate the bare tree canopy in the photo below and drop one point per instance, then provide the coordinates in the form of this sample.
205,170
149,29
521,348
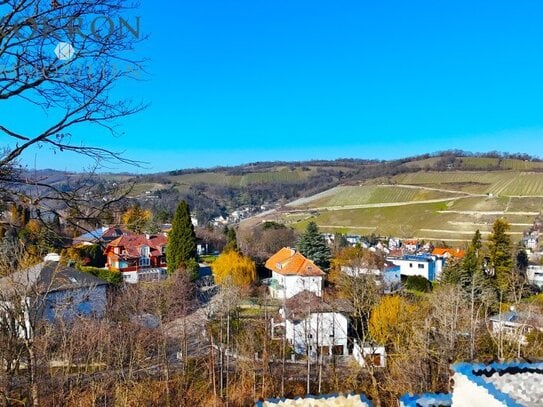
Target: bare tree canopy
65,58
60,62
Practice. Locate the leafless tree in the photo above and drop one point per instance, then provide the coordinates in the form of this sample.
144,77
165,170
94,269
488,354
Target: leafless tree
68,92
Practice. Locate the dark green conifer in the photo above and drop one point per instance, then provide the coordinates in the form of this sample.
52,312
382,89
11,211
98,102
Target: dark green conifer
181,250
313,246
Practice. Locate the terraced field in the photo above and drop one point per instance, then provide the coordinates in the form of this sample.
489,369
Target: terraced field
508,183
373,194
433,205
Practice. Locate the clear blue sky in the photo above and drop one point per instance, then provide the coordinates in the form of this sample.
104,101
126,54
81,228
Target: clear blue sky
244,80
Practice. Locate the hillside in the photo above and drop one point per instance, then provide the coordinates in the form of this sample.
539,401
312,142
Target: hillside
439,196
435,205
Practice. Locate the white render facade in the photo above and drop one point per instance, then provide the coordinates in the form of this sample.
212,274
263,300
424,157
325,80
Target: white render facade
287,286
324,331
428,267
534,273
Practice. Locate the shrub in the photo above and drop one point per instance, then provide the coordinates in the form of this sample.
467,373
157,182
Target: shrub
418,283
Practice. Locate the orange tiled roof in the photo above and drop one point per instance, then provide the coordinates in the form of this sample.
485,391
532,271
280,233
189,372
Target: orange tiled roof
442,251
289,262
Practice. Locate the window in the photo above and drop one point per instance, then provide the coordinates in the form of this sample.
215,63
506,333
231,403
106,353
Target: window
144,261
144,251
410,265
421,266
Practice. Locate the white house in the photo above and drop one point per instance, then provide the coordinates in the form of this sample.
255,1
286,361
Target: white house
353,240
52,292
389,276
292,273
411,245
534,274
514,325
314,326
366,354
419,265
531,240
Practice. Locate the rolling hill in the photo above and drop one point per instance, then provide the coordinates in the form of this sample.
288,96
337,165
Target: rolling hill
442,196
434,205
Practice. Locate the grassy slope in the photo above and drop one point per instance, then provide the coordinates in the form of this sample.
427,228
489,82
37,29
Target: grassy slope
372,194
516,195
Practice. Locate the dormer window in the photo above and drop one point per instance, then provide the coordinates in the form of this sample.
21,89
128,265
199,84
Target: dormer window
144,251
279,266
163,249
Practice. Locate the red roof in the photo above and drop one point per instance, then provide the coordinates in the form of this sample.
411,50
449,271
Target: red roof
288,261
132,244
443,251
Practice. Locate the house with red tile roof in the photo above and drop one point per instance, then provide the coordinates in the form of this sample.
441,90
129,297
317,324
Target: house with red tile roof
138,256
411,245
293,273
446,252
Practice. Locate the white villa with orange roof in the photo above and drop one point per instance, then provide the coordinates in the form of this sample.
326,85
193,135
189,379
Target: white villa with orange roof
292,273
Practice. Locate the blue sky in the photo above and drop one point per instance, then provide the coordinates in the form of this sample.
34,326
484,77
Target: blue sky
239,81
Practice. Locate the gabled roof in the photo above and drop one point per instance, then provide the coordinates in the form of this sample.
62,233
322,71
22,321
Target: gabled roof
306,302
520,318
102,234
289,262
133,243
442,251
45,277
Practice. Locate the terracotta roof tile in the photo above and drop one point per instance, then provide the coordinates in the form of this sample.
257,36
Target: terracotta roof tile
288,261
132,244
442,251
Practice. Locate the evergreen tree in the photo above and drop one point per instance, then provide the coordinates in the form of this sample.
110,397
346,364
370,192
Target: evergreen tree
231,239
471,263
522,260
313,246
181,240
501,254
